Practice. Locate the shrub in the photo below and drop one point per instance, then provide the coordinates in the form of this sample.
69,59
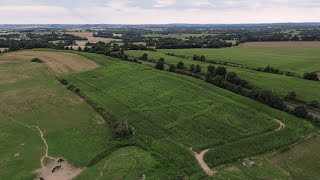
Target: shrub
291,95
311,76
38,60
300,111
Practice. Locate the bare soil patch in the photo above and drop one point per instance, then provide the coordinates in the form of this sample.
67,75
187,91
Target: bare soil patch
303,44
67,171
58,62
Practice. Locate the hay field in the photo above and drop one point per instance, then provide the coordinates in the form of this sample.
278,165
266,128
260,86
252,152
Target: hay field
297,44
57,62
30,97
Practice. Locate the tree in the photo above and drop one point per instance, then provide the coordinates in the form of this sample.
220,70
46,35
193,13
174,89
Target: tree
172,68
196,57
160,64
202,58
221,71
67,48
211,69
291,95
231,77
198,68
144,57
180,65
300,111
311,76
79,48
192,68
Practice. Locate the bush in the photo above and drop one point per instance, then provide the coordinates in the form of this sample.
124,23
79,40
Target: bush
300,111
311,76
291,95
38,60
124,130
172,68
314,104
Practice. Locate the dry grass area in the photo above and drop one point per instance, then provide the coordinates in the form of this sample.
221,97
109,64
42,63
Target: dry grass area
91,39
234,42
303,44
57,62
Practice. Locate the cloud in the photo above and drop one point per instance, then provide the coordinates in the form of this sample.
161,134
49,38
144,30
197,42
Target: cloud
158,11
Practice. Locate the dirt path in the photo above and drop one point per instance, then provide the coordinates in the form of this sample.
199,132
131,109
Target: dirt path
203,164
210,171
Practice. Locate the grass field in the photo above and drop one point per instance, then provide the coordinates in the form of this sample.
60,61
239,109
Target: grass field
284,44
30,95
298,60
280,84
171,113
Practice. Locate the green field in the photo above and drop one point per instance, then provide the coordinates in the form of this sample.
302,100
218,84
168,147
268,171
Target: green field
298,60
172,113
169,112
306,90
30,95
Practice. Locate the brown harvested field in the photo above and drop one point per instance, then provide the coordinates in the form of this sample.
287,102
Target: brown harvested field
3,49
91,39
57,62
303,44
234,42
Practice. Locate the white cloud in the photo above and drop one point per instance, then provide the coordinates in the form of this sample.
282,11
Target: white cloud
160,12
164,3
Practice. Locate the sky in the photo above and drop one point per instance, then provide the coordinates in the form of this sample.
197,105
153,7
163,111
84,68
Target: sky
157,11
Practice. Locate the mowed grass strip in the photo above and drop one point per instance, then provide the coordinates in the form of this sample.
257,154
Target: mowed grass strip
172,113
280,84
298,60
29,94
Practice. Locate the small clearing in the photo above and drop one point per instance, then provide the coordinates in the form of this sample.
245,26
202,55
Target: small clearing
303,44
57,62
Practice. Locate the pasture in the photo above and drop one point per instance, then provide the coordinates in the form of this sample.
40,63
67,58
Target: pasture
172,113
33,102
298,60
279,83
283,44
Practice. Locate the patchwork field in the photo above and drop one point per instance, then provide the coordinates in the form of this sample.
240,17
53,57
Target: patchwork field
298,60
306,90
176,119
172,113
38,115
301,44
